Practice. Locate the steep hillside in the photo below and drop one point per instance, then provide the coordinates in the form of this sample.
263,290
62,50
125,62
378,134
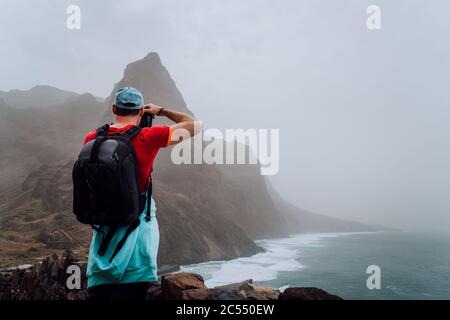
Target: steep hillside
30,137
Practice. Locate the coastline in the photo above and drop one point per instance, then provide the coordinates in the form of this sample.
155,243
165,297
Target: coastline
280,255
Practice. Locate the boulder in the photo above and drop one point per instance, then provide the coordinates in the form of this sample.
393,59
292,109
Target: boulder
258,292
245,290
196,294
307,294
173,285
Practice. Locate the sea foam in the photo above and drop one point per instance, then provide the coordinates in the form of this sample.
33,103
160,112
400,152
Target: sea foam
281,255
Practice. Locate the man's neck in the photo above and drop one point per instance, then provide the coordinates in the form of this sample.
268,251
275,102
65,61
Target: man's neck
121,121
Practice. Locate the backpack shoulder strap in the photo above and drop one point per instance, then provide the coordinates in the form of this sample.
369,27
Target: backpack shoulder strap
99,138
103,130
106,239
132,132
120,244
149,199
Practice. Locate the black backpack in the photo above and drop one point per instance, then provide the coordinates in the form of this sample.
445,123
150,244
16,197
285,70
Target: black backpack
106,186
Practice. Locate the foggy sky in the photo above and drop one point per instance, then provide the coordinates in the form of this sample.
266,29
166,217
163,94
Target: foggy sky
363,115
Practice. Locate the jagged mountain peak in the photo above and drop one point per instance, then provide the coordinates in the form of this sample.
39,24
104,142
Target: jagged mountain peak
154,81
153,57
151,62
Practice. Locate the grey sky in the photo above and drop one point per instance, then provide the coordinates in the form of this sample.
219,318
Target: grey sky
363,114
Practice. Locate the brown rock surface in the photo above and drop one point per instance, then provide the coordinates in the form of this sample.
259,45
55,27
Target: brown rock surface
173,285
307,294
43,281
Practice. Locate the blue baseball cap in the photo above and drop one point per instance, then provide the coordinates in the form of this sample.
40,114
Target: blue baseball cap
129,98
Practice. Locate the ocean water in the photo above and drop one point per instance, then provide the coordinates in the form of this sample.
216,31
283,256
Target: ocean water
413,265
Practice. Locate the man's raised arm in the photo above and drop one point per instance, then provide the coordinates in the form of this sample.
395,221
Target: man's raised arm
184,123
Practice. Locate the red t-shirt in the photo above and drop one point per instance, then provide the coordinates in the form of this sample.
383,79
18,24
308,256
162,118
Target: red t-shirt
146,145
